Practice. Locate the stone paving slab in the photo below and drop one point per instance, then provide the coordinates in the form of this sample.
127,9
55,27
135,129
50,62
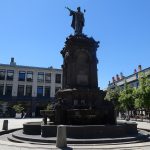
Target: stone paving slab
138,146
140,124
19,146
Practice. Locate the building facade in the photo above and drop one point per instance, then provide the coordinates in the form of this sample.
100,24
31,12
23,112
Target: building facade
132,80
34,87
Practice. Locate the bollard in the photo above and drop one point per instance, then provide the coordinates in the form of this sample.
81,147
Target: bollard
5,125
61,141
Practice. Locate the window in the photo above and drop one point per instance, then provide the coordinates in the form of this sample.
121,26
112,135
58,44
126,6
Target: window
1,89
58,78
57,88
2,74
48,77
10,74
22,75
8,91
75,102
28,90
40,77
20,90
40,91
47,91
82,102
30,76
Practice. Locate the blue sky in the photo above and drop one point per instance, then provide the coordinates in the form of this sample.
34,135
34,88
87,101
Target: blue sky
34,31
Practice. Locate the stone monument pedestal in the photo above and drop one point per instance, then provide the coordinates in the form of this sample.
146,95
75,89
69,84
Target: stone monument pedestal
82,102
82,107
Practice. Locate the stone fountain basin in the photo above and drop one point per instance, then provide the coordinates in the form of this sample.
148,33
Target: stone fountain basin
82,131
32,128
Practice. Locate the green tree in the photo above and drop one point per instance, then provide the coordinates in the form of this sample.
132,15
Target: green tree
142,93
113,95
18,108
126,98
49,106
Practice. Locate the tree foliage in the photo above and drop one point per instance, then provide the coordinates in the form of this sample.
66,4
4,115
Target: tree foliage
142,93
18,108
113,95
130,98
49,106
126,98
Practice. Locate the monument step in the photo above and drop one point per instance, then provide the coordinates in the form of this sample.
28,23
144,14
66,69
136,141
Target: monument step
16,140
19,136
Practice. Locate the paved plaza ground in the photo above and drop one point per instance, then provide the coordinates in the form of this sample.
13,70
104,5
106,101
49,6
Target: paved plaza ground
17,123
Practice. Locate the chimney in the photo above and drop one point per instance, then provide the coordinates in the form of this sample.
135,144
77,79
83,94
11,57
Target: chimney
109,82
135,71
121,75
139,68
51,67
117,77
12,59
113,79
12,62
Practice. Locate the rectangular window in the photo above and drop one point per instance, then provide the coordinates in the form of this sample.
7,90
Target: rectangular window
75,102
20,90
48,77
47,91
22,75
82,102
10,74
8,90
30,76
58,78
1,89
2,74
57,88
40,91
40,77
28,90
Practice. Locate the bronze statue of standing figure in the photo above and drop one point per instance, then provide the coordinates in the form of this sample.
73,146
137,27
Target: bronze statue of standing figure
77,20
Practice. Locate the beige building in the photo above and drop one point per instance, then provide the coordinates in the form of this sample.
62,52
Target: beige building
32,86
132,80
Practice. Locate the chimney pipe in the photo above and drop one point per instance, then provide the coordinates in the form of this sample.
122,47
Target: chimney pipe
121,75
12,59
12,62
113,79
135,71
117,77
139,67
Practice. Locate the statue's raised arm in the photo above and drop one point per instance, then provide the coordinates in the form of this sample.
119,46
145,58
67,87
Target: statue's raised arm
68,9
77,20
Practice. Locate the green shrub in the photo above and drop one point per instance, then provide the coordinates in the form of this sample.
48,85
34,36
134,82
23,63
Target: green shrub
18,108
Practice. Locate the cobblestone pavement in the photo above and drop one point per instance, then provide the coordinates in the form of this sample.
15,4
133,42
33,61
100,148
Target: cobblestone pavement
17,123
